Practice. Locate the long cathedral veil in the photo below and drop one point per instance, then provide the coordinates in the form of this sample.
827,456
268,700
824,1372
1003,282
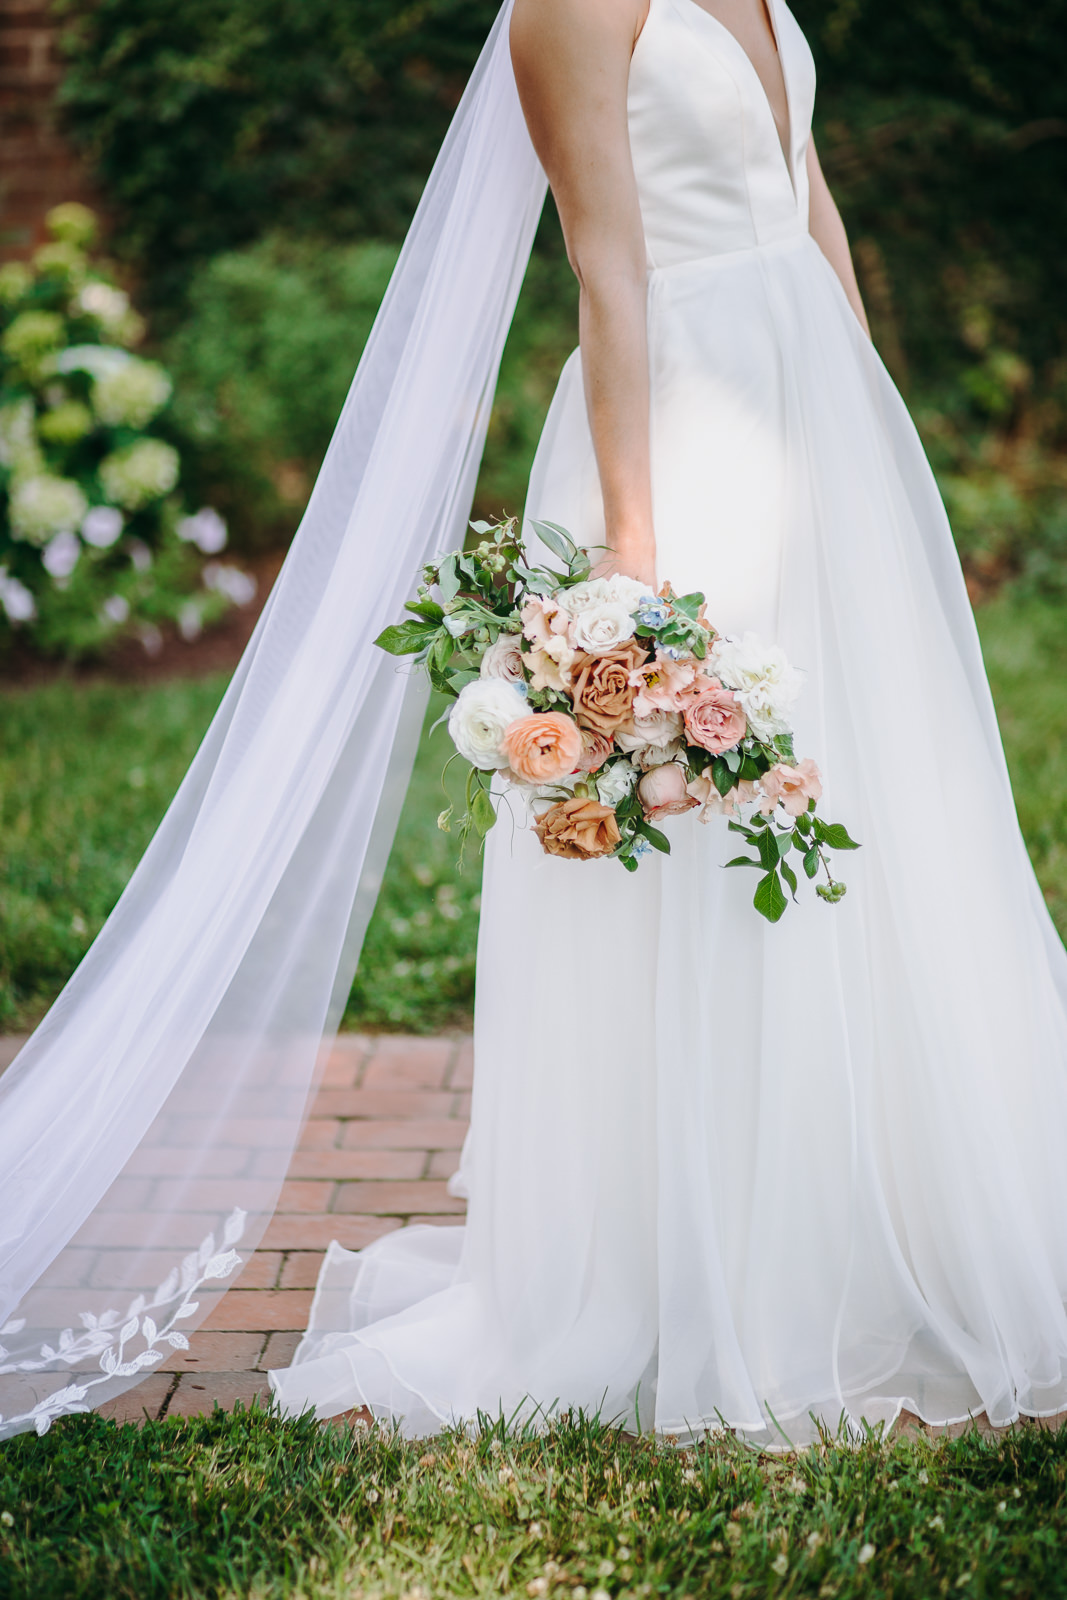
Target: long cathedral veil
146,1127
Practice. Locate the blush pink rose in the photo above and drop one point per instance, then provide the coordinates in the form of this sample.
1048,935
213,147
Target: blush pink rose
714,719
543,748
714,804
596,748
662,792
791,787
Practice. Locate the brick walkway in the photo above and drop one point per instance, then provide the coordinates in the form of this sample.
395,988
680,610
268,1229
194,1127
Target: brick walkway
383,1140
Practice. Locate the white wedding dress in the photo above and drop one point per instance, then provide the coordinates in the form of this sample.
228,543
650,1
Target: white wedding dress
722,1172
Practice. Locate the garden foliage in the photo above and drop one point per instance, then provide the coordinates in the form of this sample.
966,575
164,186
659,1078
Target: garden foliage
93,541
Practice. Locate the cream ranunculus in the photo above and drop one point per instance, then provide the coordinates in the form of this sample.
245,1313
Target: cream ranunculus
479,718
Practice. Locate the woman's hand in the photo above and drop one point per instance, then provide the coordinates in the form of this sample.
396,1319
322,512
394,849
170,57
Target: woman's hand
635,561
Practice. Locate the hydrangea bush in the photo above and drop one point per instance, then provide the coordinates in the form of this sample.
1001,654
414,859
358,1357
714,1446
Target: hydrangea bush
95,540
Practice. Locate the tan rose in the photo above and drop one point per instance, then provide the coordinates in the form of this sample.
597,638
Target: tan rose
579,829
601,690
662,792
543,748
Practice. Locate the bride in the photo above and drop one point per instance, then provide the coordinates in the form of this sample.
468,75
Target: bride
718,1172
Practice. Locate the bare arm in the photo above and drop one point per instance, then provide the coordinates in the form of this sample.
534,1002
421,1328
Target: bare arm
829,234
572,63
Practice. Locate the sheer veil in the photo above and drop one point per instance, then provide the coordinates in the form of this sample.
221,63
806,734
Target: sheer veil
146,1127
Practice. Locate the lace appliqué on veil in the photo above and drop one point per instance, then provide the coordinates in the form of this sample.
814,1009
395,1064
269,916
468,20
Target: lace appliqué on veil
111,1334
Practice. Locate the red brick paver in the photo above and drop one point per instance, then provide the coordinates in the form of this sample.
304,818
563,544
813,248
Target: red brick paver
383,1137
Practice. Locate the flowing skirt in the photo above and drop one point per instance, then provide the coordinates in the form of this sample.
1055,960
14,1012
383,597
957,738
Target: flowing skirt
718,1171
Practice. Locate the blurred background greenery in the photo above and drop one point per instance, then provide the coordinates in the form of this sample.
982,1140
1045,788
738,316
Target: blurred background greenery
259,163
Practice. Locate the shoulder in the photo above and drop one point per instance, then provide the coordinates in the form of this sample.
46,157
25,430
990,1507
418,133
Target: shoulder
569,28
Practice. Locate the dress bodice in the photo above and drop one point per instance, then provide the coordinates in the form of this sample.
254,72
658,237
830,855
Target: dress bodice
711,170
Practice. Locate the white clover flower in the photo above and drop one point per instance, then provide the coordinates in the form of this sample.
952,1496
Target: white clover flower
140,473
101,526
236,585
600,627
60,555
761,677
130,396
15,599
116,609
207,530
479,717
43,506
615,782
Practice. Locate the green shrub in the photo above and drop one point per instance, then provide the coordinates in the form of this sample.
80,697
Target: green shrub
264,359
93,543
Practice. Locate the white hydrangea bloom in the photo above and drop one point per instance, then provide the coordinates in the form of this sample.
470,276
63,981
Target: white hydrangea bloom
60,555
19,449
102,525
236,585
207,530
116,609
129,396
15,599
43,506
762,678
108,305
140,473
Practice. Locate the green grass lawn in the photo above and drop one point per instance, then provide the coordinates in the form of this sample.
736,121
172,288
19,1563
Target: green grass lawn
86,772
247,1505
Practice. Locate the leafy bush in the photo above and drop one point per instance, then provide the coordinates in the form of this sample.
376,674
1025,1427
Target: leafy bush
265,357
93,543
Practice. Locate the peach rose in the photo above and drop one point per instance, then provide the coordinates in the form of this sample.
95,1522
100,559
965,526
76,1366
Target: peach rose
662,684
662,792
601,690
579,829
543,748
791,787
596,748
714,804
714,719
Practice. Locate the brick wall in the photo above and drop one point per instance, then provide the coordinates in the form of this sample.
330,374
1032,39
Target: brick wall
38,167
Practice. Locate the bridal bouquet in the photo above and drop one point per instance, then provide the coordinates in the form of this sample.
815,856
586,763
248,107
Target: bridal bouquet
612,707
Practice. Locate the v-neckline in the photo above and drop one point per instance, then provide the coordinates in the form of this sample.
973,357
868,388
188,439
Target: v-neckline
786,145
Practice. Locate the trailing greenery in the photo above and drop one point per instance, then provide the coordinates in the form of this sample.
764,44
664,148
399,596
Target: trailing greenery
86,771
264,359
244,1504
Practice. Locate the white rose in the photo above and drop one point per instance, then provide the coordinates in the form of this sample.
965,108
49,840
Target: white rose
599,628
479,717
503,659
627,591
762,678
659,728
658,755
581,596
615,782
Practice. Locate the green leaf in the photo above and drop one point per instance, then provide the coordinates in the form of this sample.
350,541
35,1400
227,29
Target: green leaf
769,898
426,608
721,776
406,638
811,862
448,577
482,813
767,845
459,680
835,834
629,863
744,861
557,539
790,877
732,759
481,527
803,823
749,769
785,844
657,840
